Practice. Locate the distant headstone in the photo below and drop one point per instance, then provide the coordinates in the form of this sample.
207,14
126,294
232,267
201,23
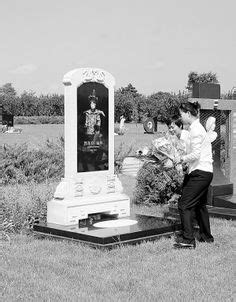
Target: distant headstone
149,125
206,91
6,119
234,93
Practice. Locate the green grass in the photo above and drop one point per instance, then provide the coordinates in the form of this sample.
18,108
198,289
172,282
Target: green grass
36,135
35,269
50,270
53,270
33,135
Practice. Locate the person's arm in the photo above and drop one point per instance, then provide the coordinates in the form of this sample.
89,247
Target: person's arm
98,120
101,112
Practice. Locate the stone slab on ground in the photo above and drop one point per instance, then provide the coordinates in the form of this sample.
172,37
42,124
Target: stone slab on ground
147,228
219,212
226,201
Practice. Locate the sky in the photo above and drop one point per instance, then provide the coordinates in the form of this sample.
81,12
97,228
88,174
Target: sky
152,44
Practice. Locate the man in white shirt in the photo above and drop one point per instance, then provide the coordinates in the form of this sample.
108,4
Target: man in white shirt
197,181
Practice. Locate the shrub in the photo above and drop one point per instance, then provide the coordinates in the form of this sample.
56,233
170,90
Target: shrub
23,205
20,165
39,119
155,185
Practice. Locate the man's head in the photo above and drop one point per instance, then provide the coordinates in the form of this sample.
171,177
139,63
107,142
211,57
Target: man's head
189,111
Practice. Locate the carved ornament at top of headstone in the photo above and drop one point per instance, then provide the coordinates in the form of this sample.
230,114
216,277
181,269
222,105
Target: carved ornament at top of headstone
93,75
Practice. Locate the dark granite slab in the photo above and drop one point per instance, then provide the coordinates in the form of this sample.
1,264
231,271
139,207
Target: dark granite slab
147,228
219,212
227,201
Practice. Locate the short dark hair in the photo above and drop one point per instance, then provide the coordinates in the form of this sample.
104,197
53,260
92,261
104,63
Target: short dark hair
193,108
176,119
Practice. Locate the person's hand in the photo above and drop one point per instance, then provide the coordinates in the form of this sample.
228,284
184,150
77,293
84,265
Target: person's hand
168,164
177,159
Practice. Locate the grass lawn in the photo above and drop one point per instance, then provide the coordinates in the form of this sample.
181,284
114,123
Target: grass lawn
51,270
35,135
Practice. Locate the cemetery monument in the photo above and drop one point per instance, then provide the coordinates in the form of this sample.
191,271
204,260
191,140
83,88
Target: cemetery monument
89,204
90,185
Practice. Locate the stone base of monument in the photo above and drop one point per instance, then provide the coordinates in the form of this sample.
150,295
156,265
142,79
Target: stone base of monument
218,212
219,186
68,212
76,198
105,231
225,201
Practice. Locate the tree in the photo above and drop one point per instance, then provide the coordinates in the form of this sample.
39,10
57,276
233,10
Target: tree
162,105
27,104
139,108
126,103
194,77
8,97
130,89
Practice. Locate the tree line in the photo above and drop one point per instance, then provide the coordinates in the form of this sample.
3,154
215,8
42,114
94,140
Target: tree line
28,104
128,101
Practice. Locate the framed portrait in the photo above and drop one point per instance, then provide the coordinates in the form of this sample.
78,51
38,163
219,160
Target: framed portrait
92,127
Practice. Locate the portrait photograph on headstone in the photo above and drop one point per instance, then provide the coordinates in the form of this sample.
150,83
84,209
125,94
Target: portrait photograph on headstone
93,119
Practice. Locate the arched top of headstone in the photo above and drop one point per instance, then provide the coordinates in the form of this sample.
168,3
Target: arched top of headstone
84,75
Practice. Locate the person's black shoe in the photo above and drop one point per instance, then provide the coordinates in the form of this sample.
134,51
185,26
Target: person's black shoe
185,244
178,237
206,239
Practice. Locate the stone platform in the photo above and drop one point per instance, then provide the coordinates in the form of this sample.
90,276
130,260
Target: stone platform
226,201
131,166
145,228
218,212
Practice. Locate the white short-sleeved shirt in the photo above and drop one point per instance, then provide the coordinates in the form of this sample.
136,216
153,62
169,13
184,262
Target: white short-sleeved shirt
199,153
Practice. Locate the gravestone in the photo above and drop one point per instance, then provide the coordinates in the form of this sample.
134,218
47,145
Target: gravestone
90,185
149,125
89,205
6,119
224,149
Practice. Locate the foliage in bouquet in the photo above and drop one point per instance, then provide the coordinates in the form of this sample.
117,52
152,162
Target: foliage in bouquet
157,185
158,182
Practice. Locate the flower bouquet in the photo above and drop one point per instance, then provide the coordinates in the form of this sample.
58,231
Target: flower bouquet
159,179
163,150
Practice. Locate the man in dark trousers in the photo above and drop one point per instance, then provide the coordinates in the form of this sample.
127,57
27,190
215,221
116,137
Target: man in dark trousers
197,181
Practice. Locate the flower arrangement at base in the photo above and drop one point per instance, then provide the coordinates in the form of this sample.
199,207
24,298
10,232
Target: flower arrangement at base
159,180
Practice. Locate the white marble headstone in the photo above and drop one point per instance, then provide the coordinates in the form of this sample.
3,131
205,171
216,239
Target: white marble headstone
90,185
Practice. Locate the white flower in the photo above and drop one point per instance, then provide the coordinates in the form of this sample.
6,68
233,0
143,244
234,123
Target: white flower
145,150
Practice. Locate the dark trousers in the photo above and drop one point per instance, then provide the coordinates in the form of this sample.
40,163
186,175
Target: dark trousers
193,201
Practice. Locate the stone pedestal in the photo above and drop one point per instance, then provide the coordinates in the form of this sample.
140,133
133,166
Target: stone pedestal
75,199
